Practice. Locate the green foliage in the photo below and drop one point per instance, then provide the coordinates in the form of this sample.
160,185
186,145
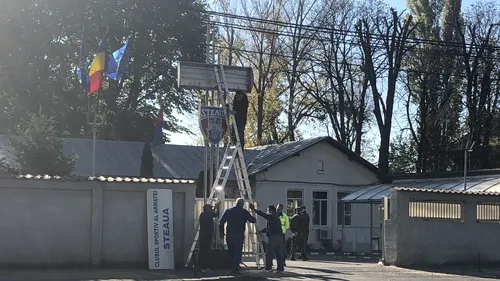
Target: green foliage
39,53
402,155
434,84
5,168
147,161
38,149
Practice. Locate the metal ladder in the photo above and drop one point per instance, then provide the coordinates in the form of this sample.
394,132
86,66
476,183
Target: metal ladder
233,156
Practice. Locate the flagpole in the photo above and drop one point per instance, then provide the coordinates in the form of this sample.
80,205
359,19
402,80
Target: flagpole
94,124
96,110
205,102
94,131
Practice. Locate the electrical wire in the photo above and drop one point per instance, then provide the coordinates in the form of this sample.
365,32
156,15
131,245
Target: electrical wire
338,31
442,52
329,62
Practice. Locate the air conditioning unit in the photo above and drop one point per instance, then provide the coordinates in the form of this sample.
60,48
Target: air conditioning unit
324,234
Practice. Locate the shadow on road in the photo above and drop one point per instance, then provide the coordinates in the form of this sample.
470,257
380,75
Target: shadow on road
322,270
287,275
489,272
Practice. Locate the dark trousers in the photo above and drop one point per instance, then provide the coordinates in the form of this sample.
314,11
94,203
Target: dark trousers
299,243
275,249
235,250
284,248
204,254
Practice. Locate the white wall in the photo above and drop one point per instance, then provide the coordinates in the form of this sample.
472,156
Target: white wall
414,241
338,169
301,173
57,222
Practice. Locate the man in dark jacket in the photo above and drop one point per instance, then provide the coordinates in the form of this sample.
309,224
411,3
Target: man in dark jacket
299,224
206,232
240,107
274,236
236,218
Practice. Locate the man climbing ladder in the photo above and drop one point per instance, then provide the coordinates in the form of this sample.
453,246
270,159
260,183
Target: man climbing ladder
233,157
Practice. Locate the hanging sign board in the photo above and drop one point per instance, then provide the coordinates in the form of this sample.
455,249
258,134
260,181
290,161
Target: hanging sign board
160,229
193,75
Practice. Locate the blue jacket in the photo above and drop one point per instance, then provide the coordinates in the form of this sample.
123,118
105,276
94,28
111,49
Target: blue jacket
236,218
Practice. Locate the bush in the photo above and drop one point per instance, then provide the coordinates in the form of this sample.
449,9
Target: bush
38,148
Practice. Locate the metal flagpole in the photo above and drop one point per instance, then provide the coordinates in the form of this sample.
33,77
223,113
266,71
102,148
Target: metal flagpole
94,135
204,102
212,103
218,103
96,110
94,124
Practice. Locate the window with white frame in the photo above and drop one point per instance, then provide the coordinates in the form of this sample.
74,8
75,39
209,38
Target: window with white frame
320,208
343,210
294,199
321,167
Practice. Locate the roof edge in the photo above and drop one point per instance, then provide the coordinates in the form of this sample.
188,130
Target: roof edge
342,148
99,179
446,191
437,175
351,154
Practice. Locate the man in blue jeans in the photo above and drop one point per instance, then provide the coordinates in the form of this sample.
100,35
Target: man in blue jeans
236,218
274,236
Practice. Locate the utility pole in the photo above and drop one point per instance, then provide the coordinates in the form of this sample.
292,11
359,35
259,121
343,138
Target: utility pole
205,102
466,156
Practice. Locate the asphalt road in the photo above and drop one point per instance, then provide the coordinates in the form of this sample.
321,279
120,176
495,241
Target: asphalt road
318,269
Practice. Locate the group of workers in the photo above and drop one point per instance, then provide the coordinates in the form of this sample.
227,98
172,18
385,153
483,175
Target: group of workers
236,217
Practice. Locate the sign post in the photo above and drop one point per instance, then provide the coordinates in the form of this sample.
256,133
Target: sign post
160,229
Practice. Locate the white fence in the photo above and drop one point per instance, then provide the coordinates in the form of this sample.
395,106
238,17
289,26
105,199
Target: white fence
250,229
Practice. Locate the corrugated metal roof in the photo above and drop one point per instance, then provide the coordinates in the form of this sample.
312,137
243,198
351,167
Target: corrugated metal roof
466,192
116,158
123,159
270,155
99,178
273,154
482,184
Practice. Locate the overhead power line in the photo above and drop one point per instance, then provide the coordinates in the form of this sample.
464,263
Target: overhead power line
338,31
353,41
319,61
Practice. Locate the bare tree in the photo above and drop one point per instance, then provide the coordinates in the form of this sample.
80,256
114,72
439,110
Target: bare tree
335,80
265,53
479,36
393,32
302,17
252,40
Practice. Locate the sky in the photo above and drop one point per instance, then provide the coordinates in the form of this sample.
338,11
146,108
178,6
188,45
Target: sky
308,131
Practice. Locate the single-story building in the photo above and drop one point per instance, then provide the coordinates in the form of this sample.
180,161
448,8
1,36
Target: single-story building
370,201
314,173
432,227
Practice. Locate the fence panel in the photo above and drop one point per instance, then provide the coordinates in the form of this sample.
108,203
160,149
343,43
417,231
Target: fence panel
488,211
435,210
228,203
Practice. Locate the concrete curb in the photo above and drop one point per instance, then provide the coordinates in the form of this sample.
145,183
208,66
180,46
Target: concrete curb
345,255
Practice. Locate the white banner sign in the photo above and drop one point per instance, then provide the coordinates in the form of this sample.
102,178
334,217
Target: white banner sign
160,229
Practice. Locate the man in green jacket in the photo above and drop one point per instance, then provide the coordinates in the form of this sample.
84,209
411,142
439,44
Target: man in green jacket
285,225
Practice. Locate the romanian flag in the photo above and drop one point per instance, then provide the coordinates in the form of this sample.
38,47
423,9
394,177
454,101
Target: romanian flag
158,132
98,67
